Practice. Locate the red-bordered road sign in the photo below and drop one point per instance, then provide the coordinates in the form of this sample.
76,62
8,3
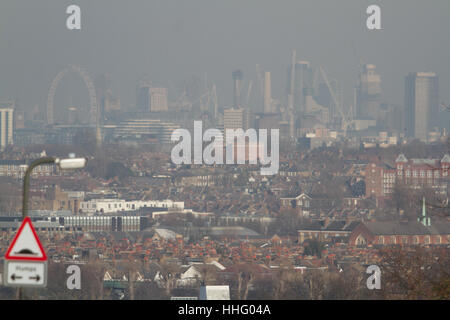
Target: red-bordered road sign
26,244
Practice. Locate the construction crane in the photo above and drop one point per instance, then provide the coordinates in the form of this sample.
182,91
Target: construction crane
201,100
207,99
347,120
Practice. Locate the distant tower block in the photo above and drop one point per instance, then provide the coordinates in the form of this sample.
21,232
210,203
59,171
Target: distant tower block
143,96
421,104
368,94
267,93
6,125
158,99
237,80
292,81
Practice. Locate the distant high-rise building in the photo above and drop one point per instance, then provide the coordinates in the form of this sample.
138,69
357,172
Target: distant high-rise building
6,127
421,104
158,99
302,82
368,94
267,93
146,129
19,119
237,83
267,121
143,96
394,118
236,119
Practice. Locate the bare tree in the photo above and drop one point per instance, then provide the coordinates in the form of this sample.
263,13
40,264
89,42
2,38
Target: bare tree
416,273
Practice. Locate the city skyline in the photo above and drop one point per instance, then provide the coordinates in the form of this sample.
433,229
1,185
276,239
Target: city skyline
169,50
224,150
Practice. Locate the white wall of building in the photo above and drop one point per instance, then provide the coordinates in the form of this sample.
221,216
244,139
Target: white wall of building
115,205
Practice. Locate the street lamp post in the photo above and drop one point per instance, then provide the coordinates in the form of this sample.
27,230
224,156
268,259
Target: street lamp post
70,163
64,164
26,182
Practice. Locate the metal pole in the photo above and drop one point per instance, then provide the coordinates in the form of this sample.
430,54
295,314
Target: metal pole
26,187
26,182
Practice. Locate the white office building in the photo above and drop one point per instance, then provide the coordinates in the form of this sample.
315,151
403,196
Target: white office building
117,205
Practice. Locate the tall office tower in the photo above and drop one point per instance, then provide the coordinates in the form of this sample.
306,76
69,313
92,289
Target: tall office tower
267,93
143,96
290,110
237,83
301,81
6,127
236,119
421,104
158,99
368,94
324,98
394,118
291,80
19,119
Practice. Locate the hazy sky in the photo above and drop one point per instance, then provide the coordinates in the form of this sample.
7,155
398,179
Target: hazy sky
174,40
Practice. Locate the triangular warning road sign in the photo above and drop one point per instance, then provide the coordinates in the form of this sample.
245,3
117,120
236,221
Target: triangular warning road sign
26,244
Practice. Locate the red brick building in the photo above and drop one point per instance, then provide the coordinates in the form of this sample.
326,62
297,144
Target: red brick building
414,173
327,230
387,233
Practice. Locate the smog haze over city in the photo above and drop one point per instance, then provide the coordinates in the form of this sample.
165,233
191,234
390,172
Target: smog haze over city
175,40
224,150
